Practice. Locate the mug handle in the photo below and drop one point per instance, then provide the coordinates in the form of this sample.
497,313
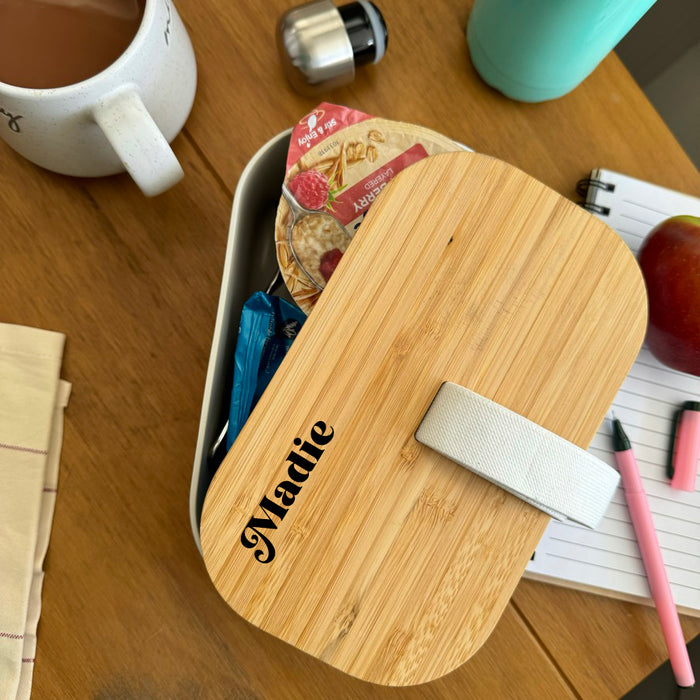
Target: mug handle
138,141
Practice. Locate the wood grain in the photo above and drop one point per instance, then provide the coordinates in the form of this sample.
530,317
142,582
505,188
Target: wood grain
128,608
392,563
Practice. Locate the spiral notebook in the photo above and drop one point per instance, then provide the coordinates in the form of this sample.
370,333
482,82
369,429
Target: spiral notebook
607,560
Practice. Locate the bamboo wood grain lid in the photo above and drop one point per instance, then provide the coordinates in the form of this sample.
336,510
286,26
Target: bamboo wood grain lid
328,525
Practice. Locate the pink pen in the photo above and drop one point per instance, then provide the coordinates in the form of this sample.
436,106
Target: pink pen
686,449
651,556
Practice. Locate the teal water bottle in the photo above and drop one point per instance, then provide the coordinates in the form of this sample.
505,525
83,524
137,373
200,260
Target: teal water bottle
536,50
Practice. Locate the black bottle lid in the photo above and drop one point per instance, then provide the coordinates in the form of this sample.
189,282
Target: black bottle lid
321,44
366,30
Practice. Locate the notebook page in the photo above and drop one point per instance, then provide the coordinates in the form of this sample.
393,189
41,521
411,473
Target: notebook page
636,206
608,559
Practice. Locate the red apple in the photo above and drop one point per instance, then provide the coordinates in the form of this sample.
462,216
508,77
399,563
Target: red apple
670,262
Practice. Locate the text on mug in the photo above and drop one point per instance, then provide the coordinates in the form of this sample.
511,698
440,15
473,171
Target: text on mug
12,120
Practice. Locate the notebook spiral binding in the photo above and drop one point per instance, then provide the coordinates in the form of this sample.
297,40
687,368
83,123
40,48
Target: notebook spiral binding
582,187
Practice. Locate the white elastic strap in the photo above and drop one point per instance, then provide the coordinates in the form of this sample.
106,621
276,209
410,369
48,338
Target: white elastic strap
518,455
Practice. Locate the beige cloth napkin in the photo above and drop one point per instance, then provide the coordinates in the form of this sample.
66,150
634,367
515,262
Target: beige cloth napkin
32,399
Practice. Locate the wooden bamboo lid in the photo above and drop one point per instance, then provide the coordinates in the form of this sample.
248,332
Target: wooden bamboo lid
391,562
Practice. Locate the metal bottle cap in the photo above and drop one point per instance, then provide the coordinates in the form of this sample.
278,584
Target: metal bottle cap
320,44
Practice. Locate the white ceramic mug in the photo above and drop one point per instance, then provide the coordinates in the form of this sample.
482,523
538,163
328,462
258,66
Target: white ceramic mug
123,118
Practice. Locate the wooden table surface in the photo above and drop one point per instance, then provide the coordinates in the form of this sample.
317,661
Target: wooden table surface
128,609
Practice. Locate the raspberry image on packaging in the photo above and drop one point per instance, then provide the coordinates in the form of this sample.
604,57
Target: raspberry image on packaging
310,188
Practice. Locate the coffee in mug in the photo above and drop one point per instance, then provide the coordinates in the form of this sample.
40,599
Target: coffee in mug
54,43
95,87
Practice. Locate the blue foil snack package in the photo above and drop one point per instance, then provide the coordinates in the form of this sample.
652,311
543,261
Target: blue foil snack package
267,329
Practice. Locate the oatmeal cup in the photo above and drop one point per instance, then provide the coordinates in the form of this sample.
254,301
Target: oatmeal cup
339,160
